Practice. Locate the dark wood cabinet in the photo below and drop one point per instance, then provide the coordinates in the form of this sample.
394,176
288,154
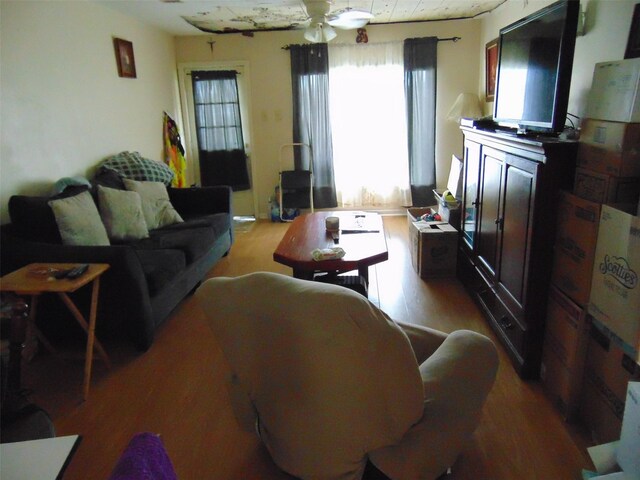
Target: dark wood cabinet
511,187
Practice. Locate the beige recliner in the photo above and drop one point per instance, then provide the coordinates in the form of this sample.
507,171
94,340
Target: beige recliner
330,382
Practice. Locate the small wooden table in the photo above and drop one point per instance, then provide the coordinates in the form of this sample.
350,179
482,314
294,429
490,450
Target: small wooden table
33,280
361,236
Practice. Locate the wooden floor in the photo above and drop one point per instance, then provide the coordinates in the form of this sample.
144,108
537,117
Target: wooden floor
175,389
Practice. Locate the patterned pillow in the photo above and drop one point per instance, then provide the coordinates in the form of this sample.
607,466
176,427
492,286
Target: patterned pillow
134,167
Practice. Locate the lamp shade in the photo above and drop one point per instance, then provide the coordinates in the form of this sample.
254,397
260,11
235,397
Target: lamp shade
466,105
319,32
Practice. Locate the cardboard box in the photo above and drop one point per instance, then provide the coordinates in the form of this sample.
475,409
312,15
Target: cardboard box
615,291
566,331
612,148
564,351
603,188
628,451
575,246
449,211
434,248
614,91
607,372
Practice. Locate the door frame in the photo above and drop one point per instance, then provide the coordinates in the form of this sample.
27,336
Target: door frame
186,105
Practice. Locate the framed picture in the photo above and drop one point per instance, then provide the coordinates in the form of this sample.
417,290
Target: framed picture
633,43
124,58
491,63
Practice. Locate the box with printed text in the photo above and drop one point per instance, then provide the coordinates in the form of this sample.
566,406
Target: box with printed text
615,292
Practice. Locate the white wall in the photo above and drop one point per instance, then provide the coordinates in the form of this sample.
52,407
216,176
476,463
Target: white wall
607,24
271,121
63,107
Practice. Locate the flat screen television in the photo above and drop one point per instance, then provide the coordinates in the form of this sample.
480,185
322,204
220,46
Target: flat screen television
535,60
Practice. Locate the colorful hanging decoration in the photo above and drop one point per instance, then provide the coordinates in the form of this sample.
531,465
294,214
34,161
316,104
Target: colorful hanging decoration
174,152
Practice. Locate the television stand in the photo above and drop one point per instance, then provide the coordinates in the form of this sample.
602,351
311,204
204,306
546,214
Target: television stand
507,231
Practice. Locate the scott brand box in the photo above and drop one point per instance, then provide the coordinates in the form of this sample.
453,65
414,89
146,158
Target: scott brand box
615,293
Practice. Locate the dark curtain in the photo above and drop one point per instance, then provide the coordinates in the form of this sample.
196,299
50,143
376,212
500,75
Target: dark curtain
223,160
311,124
420,68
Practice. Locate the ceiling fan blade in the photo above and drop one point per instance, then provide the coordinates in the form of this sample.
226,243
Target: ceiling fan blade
350,19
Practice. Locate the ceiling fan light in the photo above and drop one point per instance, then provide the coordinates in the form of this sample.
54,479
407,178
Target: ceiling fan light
328,32
313,33
319,32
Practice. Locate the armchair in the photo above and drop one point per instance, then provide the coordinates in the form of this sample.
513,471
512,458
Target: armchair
330,382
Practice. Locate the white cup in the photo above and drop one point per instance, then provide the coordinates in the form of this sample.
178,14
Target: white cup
332,224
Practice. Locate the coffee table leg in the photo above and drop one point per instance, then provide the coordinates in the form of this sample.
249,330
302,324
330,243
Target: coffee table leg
302,274
364,273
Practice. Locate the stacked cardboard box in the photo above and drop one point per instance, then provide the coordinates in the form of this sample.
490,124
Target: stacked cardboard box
608,171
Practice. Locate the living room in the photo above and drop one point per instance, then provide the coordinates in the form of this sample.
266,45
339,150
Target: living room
64,109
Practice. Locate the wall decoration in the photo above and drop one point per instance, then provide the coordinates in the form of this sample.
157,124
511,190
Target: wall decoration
633,43
491,64
124,58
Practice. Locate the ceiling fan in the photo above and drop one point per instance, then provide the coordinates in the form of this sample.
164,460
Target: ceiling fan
322,22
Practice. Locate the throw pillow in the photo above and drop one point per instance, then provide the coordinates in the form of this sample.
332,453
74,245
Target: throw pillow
122,214
133,166
156,206
79,221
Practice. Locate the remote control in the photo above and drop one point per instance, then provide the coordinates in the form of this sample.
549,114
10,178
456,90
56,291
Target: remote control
77,271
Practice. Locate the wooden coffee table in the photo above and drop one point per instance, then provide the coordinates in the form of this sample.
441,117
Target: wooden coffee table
307,232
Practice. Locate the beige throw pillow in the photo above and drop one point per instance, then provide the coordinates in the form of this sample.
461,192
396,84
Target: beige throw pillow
156,206
79,221
121,213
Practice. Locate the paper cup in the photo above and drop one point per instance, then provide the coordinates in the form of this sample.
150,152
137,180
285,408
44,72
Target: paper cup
332,224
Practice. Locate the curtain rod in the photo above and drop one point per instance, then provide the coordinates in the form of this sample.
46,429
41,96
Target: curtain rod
449,39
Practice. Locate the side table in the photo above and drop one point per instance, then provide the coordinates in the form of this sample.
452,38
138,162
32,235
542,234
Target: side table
37,278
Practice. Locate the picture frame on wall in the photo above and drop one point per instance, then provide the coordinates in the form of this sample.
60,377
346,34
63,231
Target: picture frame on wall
491,65
124,58
633,43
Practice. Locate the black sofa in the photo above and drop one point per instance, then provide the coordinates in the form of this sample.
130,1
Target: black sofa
148,278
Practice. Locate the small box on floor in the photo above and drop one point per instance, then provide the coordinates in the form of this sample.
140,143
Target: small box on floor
434,248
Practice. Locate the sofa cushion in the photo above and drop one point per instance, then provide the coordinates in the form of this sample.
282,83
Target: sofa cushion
78,220
121,213
194,242
108,178
156,205
34,219
219,222
160,266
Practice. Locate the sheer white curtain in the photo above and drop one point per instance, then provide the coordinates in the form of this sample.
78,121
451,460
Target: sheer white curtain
368,119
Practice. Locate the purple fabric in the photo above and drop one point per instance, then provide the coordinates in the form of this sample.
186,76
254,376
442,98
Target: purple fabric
144,459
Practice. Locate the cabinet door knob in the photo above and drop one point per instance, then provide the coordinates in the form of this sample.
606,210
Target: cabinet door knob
505,323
